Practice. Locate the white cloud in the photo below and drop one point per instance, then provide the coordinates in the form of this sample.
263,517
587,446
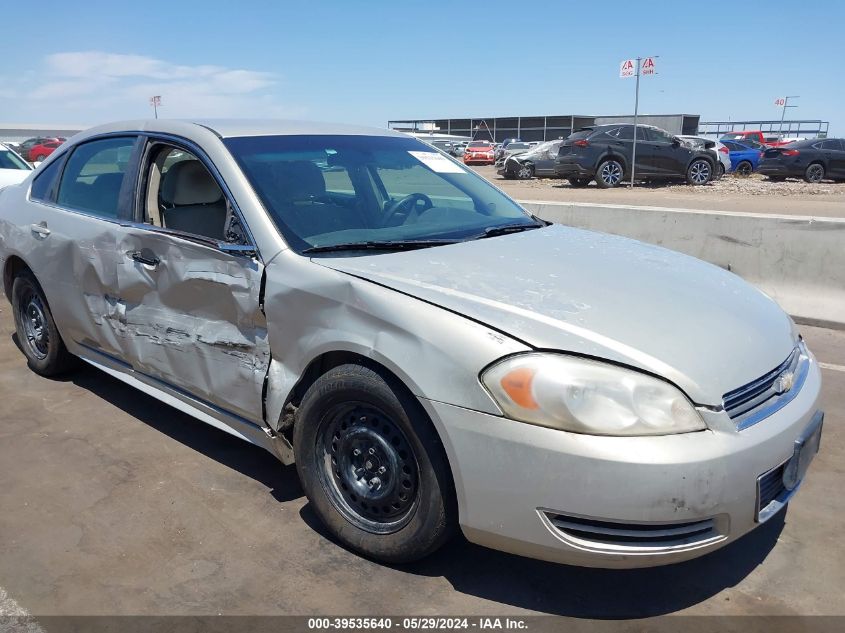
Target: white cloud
94,86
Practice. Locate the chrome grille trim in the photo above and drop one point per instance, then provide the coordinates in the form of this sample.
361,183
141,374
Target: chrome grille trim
757,400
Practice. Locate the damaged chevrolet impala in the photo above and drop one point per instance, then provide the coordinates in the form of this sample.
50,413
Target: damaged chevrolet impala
430,356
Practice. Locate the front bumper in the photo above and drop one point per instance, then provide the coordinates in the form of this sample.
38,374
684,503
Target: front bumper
545,494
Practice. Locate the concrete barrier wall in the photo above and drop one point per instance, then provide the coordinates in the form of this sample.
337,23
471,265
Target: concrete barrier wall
798,261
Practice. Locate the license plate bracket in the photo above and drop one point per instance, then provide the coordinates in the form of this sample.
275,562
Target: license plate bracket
805,449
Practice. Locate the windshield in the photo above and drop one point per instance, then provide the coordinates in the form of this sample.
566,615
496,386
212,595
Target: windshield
10,160
332,190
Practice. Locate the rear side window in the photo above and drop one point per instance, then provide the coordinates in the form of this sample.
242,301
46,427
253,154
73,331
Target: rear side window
832,144
93,176
44,184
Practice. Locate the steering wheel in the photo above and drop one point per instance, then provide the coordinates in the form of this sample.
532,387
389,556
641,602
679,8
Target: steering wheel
408,201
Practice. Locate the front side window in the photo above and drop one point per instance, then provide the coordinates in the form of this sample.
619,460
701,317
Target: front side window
93,176
183,196
323,191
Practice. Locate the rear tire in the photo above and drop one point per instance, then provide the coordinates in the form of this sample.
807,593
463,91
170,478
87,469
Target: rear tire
814,173
699,172
373,467
38,335
579,182
744,169
609,174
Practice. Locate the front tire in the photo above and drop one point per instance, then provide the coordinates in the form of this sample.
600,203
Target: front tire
699,172
38,335
814,173
609,174
373,467
525,172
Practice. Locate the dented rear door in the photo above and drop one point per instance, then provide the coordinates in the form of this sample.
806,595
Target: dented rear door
191,317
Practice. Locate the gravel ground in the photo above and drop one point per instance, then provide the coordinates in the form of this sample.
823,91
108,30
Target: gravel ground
754,194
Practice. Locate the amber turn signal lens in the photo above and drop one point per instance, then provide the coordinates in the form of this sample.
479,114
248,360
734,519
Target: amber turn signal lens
517,384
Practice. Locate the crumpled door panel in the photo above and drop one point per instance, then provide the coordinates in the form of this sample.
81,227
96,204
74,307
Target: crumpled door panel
193,319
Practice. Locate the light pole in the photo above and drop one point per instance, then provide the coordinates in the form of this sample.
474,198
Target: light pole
636,113
155,102
644,66
783,113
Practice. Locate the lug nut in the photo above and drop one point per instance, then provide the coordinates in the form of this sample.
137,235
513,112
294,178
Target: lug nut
375,481
372,451
382,470
356,452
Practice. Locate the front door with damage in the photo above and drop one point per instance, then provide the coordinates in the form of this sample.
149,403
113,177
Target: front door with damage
189,311
190,316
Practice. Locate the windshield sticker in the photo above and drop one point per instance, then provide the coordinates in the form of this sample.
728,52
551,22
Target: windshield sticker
438,163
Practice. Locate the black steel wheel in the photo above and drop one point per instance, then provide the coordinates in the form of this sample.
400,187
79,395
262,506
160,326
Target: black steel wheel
814,173
609,174
367,467
372,465
38,336
744,169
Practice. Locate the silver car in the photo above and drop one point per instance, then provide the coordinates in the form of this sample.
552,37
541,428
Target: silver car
430,355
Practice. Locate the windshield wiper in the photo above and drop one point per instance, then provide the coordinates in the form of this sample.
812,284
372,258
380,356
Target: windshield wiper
505,229
386,245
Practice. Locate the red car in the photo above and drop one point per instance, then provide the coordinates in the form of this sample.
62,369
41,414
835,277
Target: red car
769,140
480,153
42,150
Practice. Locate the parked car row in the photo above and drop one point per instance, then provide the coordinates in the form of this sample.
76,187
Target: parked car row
38,148
604,154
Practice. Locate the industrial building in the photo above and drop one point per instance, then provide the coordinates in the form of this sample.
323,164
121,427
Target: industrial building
546,128
538,128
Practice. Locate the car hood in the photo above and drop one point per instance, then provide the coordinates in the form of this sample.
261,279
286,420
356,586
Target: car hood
561,288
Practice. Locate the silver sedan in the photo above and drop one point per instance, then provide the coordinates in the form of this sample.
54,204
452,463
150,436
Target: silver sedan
431,356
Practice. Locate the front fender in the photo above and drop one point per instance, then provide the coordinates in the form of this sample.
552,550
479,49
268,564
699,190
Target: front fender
312,310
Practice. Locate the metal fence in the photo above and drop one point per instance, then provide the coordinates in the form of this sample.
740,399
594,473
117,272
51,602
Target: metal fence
809,128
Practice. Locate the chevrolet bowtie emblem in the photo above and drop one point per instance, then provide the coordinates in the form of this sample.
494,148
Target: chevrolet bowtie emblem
784,382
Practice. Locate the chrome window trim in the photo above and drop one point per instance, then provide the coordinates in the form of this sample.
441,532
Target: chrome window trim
123,222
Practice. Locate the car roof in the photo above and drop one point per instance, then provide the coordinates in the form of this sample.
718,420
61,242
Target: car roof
228,128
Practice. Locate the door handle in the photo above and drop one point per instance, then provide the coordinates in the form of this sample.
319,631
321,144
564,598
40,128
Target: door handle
40,229
145,257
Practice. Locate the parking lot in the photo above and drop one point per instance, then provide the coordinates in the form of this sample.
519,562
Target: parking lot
754,194
114,503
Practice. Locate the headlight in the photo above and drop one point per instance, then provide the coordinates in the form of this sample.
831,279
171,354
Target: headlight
585,396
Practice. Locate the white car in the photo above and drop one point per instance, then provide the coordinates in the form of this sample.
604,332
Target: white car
721,151
13,168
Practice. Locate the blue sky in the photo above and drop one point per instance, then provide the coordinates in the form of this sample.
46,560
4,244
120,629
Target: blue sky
367,62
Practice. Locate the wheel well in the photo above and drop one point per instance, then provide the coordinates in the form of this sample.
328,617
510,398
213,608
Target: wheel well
706,159
14,266
329,360
612,156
